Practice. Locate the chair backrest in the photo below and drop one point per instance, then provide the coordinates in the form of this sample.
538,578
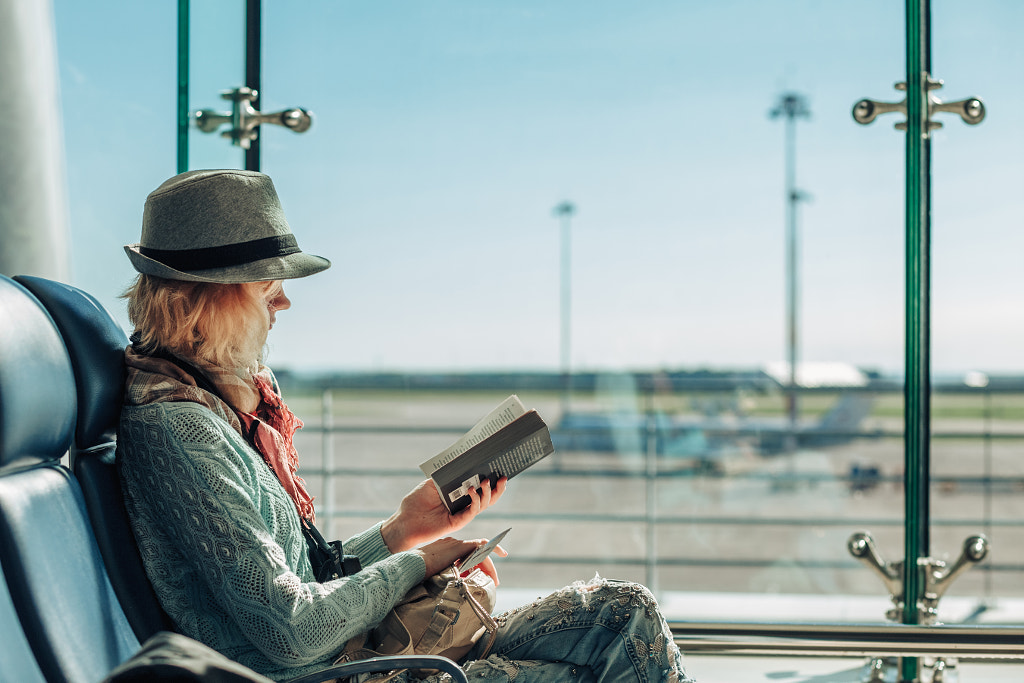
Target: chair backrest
21,446
34,368
96,344
53,568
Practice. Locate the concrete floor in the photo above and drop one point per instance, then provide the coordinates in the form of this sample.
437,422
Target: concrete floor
738,669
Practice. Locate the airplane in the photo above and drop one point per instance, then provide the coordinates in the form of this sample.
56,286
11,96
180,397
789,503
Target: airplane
709,440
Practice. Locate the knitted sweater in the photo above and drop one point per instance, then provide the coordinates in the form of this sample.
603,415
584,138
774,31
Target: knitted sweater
223,548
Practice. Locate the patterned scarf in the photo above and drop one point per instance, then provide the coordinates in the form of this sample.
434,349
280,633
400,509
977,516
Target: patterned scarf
249,401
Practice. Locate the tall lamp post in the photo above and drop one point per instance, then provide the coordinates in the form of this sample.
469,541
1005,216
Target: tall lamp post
792,106
564,212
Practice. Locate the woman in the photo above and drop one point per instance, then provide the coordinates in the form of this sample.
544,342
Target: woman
209,472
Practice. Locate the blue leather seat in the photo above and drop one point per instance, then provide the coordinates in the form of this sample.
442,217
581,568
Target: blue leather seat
96,344
17,663
57,579
53,402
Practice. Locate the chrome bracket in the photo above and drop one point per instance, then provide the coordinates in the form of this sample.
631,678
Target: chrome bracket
937,574
863,547
938,577
971,110
245,120
933,670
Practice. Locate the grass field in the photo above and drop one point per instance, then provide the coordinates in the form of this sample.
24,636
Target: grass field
1004,407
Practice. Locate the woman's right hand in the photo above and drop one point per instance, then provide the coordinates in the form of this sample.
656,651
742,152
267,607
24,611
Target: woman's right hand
422,517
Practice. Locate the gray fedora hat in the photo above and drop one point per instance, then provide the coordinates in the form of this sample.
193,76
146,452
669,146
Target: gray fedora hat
222,226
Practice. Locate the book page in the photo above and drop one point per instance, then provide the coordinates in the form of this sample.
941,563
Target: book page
505,414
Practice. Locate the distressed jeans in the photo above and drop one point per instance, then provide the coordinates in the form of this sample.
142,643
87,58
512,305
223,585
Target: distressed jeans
603,630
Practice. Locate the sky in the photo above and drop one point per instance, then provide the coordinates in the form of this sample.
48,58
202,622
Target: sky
446,131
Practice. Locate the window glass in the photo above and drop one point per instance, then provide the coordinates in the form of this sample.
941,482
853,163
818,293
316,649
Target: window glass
118,88
978,407
216,65
445,137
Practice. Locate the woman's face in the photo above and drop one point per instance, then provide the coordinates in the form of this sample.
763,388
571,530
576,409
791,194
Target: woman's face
276,301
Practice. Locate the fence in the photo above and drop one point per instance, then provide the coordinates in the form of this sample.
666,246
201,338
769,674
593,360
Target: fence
737,522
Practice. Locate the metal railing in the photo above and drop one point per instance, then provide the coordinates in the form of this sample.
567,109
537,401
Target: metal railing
651,468
851,640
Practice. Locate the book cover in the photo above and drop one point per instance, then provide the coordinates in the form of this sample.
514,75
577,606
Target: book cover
504,443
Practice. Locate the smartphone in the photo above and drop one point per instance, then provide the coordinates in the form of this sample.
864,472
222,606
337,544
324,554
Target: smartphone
481,553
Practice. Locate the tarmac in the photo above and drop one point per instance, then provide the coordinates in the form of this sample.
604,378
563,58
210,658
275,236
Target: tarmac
762,526
762,540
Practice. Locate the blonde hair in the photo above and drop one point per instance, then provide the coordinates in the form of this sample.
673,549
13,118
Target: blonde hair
223,324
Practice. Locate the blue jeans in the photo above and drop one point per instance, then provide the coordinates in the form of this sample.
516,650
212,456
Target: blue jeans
607,631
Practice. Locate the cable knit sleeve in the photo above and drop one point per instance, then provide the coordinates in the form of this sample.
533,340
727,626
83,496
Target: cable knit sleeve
368,546
221,543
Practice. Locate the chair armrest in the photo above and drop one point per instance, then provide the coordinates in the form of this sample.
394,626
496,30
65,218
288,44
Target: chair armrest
388,663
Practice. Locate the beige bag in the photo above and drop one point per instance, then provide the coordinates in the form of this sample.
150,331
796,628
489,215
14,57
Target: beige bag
445,615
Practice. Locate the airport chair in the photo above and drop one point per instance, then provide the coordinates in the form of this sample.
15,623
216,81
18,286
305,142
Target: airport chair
96,344
17,663
56,577
71,615
16,660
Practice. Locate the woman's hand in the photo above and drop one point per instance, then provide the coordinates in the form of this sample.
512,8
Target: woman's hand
445,552
422,517
487,566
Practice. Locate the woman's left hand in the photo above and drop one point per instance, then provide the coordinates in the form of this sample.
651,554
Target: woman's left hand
422,517
487,566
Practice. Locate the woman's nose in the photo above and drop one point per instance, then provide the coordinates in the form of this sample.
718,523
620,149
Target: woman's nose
281,302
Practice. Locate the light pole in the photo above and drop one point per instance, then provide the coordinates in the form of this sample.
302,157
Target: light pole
791,105
564,212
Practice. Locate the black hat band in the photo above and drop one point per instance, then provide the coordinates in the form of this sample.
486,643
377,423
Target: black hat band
224,256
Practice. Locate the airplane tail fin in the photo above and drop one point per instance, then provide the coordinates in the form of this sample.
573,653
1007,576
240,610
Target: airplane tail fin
842,422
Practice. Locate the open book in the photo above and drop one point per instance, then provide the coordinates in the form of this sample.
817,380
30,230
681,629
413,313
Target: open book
504,443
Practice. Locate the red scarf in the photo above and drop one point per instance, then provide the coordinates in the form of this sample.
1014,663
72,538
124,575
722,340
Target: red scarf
271,429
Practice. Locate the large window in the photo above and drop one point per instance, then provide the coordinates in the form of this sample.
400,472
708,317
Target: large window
445,135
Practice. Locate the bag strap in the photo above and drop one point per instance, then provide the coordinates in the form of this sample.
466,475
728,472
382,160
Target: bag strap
446,613
485,616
